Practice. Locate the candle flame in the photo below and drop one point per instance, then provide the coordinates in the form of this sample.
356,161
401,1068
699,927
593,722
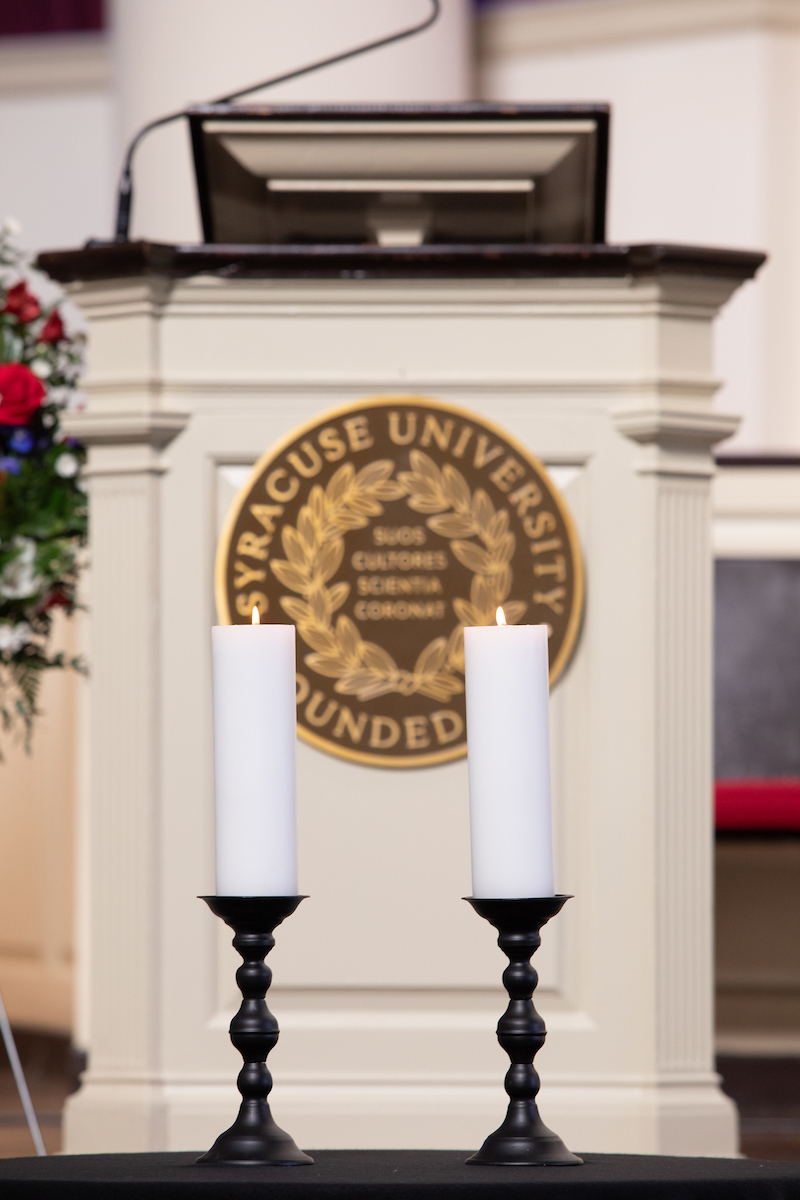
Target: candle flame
500,617
256,618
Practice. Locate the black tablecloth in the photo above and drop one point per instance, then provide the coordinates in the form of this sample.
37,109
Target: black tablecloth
394,1175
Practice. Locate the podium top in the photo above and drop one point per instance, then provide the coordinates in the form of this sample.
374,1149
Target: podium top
120,260
401,175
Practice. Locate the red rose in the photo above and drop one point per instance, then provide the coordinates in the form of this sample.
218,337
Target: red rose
56,599
21,304
53,330
21,393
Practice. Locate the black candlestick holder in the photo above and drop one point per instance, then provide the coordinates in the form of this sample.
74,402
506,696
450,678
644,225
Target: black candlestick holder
254,1139
523,1139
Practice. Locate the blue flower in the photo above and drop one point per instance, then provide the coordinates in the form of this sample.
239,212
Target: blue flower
11,465
21,440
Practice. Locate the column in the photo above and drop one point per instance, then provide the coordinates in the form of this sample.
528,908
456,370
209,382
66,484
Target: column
118,963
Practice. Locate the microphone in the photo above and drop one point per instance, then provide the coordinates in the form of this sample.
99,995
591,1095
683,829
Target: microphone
125,187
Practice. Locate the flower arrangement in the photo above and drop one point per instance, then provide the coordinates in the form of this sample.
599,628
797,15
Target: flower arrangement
42,507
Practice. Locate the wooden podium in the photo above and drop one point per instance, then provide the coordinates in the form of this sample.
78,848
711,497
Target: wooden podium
599,359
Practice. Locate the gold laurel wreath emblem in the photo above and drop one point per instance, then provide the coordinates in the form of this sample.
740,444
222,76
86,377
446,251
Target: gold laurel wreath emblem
314,552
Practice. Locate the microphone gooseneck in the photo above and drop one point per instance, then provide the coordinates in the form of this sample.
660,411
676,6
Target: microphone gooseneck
125,187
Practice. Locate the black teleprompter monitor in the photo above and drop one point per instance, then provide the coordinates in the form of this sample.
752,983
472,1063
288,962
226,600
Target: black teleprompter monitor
401,175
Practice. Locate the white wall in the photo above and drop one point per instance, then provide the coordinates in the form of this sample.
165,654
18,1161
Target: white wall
56,147
60,186
706,107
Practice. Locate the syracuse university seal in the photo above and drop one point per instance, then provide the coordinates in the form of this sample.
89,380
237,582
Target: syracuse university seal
380,531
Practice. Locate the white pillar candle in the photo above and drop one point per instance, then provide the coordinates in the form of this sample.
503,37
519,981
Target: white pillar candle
255,727
508,746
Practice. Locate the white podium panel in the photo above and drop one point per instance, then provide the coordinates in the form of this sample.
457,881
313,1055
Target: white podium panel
387,986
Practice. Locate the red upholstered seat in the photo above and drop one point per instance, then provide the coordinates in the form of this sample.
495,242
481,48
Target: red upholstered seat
29,17
759,805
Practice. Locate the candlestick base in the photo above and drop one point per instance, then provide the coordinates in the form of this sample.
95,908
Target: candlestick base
254,1139
523,1139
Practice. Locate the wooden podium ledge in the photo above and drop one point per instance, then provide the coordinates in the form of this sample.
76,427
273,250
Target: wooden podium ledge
115,260
395,1175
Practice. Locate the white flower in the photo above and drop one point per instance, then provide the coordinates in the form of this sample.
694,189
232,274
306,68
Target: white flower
66,465
19,580
41,368
77,401
59,396
76,326
14,637
46,290
11,228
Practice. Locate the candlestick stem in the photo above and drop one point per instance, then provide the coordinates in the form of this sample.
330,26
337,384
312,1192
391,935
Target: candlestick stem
254,1138
523,1139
